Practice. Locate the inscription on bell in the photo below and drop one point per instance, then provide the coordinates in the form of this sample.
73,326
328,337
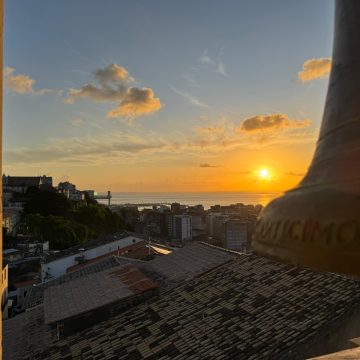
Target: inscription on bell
309,230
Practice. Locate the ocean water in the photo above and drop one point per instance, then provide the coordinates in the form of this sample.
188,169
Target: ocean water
207,199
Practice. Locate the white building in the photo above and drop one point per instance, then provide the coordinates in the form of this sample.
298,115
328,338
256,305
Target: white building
182,227
57,264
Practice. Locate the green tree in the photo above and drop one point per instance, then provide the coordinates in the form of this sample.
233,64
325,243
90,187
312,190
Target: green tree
47,203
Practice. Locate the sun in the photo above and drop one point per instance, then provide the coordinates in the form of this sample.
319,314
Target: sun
264,174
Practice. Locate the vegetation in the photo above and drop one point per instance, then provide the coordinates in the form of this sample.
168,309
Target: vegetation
50,216
46,203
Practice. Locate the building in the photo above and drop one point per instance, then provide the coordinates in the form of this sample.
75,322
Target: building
14,188
66,186
4,291
235,235
182,227
215,224
234,306
70,191
90,193
20,184
175,208
11,218
56,264
11,255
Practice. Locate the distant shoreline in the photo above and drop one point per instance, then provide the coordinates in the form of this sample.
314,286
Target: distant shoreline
207,199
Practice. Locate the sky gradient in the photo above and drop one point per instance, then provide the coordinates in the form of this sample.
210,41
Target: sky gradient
165,96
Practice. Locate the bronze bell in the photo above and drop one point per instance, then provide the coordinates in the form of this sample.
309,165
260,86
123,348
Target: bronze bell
317,224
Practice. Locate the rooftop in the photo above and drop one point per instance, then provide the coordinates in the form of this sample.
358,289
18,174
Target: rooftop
22,180
35,294
10,251
168,270
105,239
135,251
93,291
248,308
187,263
25,334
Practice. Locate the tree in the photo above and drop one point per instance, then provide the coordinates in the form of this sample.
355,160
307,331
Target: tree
60,232
47,203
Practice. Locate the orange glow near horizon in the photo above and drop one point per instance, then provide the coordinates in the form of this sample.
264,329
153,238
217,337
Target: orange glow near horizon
274,169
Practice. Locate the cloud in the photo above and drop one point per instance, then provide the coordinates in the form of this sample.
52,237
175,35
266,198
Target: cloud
76,122
125,147
206,165
113,85
211,129
22,84
136,102
190,80
86,150
192,99
97,94
204,117
314,69
206,59
112,73
219,64
221,69
291,173
271,123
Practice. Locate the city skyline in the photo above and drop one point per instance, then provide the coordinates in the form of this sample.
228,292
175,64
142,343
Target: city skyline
160,97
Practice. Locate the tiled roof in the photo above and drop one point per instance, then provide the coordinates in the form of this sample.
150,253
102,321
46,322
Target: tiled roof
35,294
93,291
186,263
167,270
249,308
25,334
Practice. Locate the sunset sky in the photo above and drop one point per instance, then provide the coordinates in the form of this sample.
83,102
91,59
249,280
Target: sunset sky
165,95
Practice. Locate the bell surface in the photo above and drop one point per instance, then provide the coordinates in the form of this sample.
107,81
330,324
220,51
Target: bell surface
317,224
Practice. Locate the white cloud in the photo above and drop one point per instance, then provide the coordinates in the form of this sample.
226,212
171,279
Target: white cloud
190,80
219,64
77,122
206,59
192,99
